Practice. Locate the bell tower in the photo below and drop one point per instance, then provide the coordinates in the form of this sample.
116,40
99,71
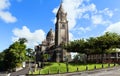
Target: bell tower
61,27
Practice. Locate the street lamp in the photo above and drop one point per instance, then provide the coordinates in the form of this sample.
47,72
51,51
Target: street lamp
79,58
66,59
29,60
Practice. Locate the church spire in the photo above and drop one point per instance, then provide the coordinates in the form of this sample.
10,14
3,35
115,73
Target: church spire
61,27
61,10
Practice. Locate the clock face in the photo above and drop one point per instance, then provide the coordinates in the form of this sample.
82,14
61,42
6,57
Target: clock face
63,26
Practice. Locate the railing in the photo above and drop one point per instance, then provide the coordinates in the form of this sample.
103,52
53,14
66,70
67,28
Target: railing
87,68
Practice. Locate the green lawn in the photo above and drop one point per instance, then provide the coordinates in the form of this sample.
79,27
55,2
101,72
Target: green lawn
61,68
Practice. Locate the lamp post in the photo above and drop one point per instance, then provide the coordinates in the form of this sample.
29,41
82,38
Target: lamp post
78,57
58,57
29,60
66,59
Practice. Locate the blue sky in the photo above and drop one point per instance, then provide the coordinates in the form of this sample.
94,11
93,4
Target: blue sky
32,19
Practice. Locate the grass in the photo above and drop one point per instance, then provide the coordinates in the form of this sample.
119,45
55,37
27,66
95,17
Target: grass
54,68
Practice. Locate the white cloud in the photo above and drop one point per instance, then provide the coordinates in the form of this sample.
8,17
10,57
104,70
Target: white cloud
84,29
55,11
79,9
34,38
4,4
97,19
75,10
100,16
5,15
71,37
107,12
89,8
80,30
86,16
114,28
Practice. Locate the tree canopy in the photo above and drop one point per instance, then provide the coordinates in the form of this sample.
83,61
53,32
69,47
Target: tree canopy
15,54
95,44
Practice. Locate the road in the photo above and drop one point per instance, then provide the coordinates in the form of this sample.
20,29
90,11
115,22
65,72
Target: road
115,72
24,71
102,73
21,72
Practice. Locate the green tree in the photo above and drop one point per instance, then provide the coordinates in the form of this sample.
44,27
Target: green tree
15,55
76,46
94,44
2,56
22,40
45,57
108,40
30,53
1,61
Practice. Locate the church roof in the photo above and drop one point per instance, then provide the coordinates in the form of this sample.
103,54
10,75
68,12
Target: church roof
61,10
50,33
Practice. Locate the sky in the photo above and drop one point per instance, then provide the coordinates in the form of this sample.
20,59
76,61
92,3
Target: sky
32,19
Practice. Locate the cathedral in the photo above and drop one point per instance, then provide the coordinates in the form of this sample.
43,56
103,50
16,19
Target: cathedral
52,45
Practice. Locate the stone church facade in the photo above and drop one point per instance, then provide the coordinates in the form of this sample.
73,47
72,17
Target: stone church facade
52,45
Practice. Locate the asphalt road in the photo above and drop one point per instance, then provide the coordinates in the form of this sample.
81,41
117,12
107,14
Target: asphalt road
105,73
21,72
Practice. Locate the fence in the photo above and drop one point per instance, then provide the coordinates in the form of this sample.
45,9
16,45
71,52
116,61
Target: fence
105,58
78,69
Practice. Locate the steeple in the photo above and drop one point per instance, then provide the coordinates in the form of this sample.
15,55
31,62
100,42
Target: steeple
61,10
61,27
61,15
